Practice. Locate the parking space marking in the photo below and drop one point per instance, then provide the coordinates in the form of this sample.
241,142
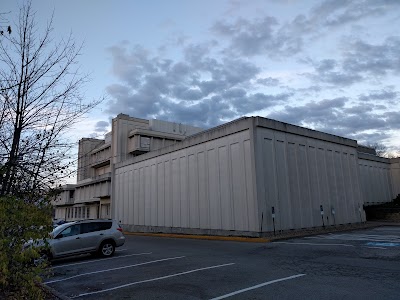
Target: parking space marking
119,250
257,286
113,269
314,244
99,260
153,279
377,248
358,237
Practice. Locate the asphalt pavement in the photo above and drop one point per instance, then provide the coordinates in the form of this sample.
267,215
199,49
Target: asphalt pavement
359,264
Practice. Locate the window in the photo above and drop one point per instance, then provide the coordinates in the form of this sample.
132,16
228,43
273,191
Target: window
76,212
95,226
71,230
87,212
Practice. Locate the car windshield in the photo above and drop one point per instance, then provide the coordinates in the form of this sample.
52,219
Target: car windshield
60,228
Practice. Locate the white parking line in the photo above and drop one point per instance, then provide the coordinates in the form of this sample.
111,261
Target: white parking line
154,279
113,269
377,248
257,286
119,250
99,260
358,237
314,244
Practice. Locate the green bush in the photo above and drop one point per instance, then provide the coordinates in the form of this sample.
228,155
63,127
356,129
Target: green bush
21,221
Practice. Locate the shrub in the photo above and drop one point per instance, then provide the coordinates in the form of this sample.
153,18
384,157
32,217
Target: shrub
21,221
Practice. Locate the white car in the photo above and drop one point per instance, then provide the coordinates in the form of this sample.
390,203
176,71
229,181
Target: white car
86,236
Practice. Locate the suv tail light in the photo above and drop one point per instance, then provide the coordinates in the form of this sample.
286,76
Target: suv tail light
119,228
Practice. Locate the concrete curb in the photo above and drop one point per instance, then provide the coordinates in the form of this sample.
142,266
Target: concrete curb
270,238
202,237
53,292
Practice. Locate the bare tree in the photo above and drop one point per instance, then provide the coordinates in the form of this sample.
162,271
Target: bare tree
382,150
40,100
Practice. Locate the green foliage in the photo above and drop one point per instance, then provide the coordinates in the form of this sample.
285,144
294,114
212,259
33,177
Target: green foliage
21,221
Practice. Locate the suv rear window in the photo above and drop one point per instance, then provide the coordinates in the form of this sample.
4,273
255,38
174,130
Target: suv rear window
95,226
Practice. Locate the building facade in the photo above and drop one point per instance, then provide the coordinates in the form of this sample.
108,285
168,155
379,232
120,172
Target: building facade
245,177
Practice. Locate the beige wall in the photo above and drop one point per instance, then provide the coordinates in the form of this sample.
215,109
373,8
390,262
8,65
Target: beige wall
206,186
376,185
296,174
395,175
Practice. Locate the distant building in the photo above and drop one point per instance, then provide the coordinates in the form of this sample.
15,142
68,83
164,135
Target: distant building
90,197
239,178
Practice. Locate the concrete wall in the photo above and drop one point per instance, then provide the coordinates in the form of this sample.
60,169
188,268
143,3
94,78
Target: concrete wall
376,185
92,191
205,186
298,170
395,175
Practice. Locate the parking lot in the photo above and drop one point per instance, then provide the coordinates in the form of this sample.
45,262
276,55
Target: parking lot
363,264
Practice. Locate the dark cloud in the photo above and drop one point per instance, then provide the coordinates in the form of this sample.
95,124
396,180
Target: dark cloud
385,95
266,36
269,81
212,82
336,116
375,59
201,89
101,126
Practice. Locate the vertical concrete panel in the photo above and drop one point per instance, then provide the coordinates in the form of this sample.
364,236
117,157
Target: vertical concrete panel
185,213
225,188
125,213
130,198
340,200
283,212
176,195
252,207
356,203
240,211
141,197
147,196
193,194
213,192
332,185
168,194
304,187
136,196
324,193
160,194
153,195
349,195
314,186
204,204
269,184
294,200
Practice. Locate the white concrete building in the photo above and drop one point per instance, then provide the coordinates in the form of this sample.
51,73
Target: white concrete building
240,178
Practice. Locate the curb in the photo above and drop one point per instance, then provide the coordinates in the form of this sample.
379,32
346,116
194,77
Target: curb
267,239
53,292
203,237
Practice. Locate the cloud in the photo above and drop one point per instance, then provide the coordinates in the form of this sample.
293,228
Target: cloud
101,126
268,81
201,89
338,83
382,95
338,117
376,59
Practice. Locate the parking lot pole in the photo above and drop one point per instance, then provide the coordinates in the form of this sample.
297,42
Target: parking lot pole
273,218
322,215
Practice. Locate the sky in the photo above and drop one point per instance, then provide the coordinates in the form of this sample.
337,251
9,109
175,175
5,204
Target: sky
328,65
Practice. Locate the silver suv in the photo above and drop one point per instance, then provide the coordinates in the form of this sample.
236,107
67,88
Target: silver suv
86,236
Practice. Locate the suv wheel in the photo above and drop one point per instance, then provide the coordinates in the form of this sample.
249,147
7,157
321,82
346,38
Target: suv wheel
107,248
